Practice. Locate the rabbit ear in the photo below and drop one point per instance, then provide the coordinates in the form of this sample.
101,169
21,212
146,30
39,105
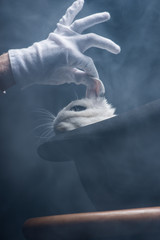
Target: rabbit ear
96,89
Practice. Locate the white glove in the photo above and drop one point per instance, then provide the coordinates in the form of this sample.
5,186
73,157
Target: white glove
59,59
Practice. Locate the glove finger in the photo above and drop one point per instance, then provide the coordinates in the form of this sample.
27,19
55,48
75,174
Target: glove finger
93,40
86,64
71,13
81,24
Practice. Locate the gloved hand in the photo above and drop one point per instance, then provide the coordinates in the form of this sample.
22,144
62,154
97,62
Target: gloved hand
59,59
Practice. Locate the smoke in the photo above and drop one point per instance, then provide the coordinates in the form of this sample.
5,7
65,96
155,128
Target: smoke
132,77
30,186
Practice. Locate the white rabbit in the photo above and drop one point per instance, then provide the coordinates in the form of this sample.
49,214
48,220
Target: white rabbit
91,109
82,112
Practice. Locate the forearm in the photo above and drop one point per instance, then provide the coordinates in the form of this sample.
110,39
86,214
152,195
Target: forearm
6,76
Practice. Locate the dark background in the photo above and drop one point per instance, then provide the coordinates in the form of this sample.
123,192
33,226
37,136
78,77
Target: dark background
30,186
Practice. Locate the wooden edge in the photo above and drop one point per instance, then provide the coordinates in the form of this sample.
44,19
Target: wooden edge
93,225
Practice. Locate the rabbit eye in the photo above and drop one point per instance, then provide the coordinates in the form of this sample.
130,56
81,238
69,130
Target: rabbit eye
78,108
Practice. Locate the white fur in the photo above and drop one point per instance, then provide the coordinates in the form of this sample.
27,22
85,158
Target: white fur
97,109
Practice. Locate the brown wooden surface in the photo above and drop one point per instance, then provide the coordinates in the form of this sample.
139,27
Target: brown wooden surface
95,225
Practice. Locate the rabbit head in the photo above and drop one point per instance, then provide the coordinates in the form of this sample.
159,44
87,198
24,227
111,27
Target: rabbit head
91,109
82,112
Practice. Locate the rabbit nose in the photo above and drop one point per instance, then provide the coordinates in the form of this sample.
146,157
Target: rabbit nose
96,89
